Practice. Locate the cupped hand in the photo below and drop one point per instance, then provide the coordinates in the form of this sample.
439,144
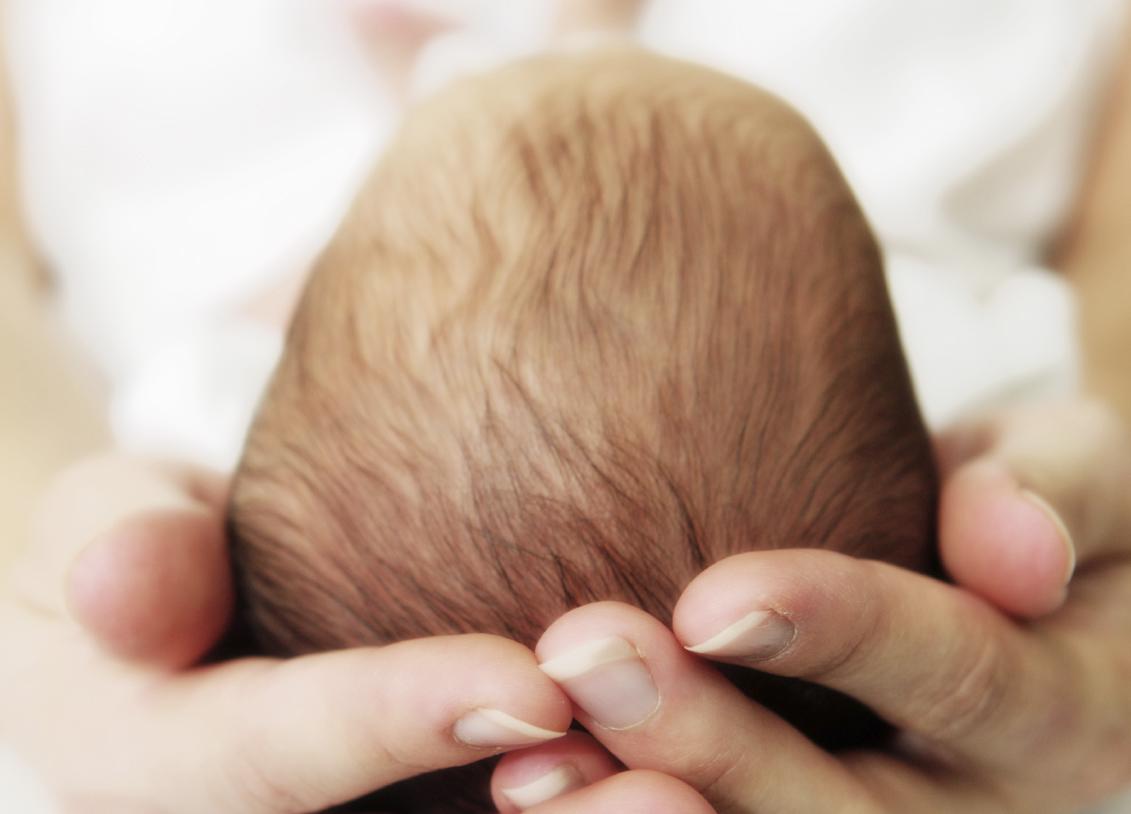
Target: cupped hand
127,584
997,713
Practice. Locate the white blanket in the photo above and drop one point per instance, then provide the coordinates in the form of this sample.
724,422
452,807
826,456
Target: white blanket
181,157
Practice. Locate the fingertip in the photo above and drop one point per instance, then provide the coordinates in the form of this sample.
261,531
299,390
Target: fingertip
1054,522
596,636
552,705
589,622
633,792
156,587
651,703
1002,542
612,659
756,601
536,775
495,673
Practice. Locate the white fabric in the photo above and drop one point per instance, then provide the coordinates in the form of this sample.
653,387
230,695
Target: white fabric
961,125
179,157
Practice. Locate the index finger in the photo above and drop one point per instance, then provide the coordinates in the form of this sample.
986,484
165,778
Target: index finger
925,655
314,731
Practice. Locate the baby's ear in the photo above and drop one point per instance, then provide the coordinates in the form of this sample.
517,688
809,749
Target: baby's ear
394,33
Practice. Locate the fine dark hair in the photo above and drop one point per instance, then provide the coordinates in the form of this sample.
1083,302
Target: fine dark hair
596,322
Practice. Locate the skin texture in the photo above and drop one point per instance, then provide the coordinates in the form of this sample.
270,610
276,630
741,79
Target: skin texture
522,371
980,745
110,603
83,603
997,717
1099,581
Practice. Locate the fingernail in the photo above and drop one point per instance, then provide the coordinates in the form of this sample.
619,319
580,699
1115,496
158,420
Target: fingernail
492,727
757,636
1061,528
564,778
608,679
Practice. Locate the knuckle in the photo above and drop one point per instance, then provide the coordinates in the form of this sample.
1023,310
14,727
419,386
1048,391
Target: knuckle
964,697
393,759
250,757
714,775
258,789
1106,720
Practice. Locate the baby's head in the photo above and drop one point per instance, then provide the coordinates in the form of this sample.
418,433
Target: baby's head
595,323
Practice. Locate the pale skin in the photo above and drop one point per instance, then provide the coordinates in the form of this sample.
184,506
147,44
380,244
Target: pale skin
998,716
128,583
109,658
976,688
1001,717
122,582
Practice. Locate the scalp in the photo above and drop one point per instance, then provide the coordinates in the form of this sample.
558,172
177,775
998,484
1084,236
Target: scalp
595,322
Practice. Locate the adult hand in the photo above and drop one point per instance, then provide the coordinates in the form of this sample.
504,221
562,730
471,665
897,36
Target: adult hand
997,716
128,583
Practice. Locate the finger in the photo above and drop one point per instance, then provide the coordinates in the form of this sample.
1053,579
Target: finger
654,706
927,656
85,501
636,792
922,784
533,776
1077,457
1043,488
134,551
155,588
313,732
1002,542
